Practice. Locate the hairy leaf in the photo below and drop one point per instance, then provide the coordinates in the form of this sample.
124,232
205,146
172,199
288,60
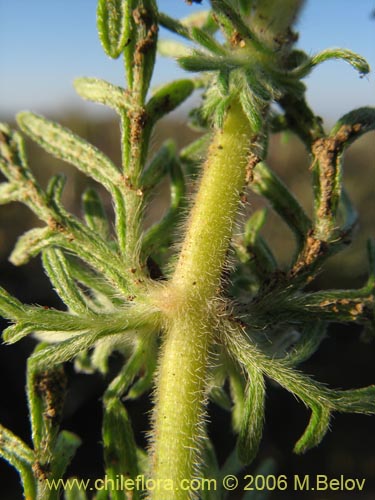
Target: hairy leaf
102,92
112,20
67,146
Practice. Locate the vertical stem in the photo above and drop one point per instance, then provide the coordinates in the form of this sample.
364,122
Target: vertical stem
186,303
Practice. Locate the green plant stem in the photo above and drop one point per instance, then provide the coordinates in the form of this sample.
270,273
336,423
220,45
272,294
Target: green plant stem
186,302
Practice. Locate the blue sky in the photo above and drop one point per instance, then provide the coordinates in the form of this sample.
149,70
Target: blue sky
45,44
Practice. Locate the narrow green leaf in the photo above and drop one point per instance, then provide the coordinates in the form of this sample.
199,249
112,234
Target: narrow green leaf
158,166
260,257
173,25
255,85
358,62
237,392
253,416
13,161
94,213
146,380
55,189
21,457
201,19
267,184
45,393
55,265
173,49
76,491
207,41
199,61
112,20
62,143
122,382
140,49
13,444
159,235
353,125
251,108
90,279
223,81
14,333
102,92
168,97
66,446
254,225
348,216
32,243
355,400
316,430
10,307
120,452
65,350
9,192
312,336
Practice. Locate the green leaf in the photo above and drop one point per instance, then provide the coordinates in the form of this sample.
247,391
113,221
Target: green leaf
259,256
267,184
76,491
55,189
46,393
112,22
9,192
253,416
252,109
358,62
237,392
158,166
43,320
232,21
168,97
94,213
120,452
353,125
202,19
146,380
66,446
56,267
199,61
140,51
10,307
173,25
13,162
316,430
32,243
21,457
171,48
159,235
207,41
90,279
65,350
102,92
312,336
62,143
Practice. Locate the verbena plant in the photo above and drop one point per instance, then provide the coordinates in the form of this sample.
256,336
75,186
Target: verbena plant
211,318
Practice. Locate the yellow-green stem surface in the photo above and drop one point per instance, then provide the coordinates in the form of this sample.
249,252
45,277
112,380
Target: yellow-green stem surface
186,301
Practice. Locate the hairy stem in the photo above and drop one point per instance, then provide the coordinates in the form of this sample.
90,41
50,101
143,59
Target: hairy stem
186,301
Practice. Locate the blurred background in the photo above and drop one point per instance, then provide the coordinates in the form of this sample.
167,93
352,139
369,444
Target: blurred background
44,45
